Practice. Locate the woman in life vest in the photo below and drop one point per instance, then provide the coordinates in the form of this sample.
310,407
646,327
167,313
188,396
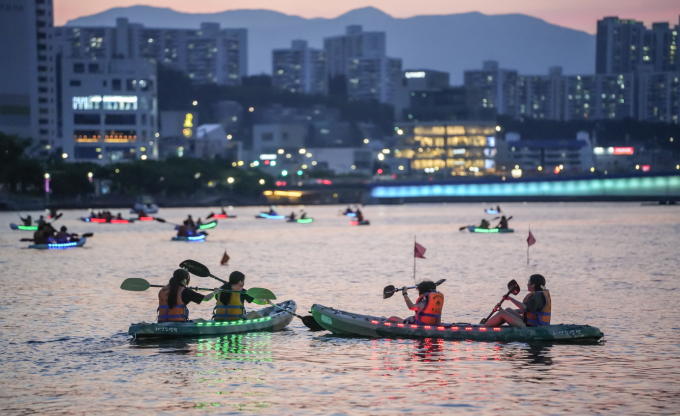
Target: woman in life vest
174,298
428,307
534,310
230,305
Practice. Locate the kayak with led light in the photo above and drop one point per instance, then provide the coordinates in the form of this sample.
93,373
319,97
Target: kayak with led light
352,324
60,246
23,227
190,239
105,221
491,211
359,223
270,217
223,216
207,225
351,214
302,220
273,319
474,229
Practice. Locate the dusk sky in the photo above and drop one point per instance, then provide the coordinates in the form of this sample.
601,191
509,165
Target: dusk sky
576,14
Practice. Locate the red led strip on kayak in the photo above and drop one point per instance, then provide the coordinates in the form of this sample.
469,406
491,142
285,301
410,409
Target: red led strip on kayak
496,329
482,329
99,220
119,221
469,328
146,218
400,325
441,328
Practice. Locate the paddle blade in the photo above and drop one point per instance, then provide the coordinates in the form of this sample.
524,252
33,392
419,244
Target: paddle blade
195,268
311,323
135,284
159,219
439,282
260,293
260,301
87,235
388,291
513,287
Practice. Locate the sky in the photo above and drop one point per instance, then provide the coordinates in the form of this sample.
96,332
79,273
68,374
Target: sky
575,14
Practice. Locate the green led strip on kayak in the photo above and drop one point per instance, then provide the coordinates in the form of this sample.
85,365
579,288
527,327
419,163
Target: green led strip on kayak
28,227
208,225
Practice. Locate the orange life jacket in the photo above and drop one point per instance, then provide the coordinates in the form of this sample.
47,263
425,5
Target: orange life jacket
231,311
542,317
179,313
432,314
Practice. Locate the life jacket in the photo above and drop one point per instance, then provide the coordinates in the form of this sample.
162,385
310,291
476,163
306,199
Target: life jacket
180,313
233,310
432,314
542,317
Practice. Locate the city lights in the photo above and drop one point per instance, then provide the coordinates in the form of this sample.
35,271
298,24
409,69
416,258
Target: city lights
230,180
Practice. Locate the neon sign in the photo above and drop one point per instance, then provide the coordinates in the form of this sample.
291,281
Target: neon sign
415,74
106,102
623,150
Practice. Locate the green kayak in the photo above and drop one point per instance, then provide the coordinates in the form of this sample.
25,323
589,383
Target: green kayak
474,229
273,319
352,324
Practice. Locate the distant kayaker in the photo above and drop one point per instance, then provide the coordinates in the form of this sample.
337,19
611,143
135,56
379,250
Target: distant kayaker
303,215
63,236
428,307
292,216
503,224
119,216
271,210
230,305
173,298
360,215
223,212
534,310
199,222
190,222
348,210
41,221
484,224
28,221
498,208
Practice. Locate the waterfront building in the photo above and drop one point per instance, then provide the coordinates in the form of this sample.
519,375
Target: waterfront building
209,55
27,89
460,148
359,59
658,96
108,109
447,104
420,80
545,155
497,88
300,69
541,96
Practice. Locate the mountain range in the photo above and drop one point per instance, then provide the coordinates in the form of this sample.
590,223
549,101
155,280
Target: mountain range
452,43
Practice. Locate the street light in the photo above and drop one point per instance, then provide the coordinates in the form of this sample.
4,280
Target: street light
89,176
230,180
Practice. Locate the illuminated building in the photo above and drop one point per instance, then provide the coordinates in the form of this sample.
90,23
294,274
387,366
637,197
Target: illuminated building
421,80
207,55
541,96
545,155
497,88
459,148
108,109
300,69
360,59
658,96
27,87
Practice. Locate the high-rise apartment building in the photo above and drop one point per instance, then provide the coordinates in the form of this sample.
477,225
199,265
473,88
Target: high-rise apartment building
590,97
541,96
207,55
27,72
658,96
299,69
660,48
360,57
497,87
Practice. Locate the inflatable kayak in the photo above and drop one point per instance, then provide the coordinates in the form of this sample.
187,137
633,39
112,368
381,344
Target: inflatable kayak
104,221
223,216
347,323
273,319
302,220
60,246
23,227
359,223
491,211
474,229
270,217
190,239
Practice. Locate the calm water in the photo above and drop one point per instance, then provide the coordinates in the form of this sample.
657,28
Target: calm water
64,347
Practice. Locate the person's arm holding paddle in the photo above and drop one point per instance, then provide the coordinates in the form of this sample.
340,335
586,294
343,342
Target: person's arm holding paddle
520,305
412,306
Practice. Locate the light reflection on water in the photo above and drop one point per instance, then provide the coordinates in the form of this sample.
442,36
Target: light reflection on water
64,347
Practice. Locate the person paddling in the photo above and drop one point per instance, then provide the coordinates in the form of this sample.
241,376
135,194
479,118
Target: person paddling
63,236
359,215
428,307
230,305
534,310
292,215
484,224
503,224
28,221
175,296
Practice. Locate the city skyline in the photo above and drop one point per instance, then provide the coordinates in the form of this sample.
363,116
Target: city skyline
579,15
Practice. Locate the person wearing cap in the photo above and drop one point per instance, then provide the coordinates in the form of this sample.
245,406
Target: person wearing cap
534,310
230,304
428,307
175,296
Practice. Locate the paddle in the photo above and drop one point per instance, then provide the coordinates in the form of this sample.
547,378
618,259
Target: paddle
201,270
210,216
390,290
513,288
136,284
165,222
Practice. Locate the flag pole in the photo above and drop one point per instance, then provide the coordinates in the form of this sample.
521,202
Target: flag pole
528,245
414,258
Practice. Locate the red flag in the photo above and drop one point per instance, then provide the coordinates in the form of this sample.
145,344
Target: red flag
419,251
531,240
225,258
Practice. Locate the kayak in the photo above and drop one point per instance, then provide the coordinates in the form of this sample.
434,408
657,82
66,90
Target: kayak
351,214
302,220
270,217
491,211
207,225
273,319
60,246
347,323
359,223
23,227
190,239
103,220
145,219
223,216
474,229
